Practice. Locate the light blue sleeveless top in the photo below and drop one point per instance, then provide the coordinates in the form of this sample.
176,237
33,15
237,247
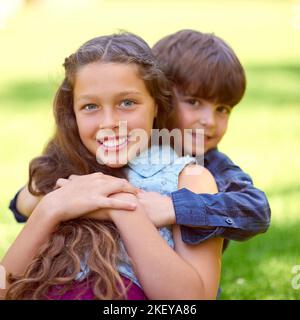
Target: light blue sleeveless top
156,169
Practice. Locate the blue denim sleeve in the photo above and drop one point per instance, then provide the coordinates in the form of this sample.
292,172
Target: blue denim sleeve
13,208
238,212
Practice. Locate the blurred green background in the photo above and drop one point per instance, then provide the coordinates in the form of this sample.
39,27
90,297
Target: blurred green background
264,131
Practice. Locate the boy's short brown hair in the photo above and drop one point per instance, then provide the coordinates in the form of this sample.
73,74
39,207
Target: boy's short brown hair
202,65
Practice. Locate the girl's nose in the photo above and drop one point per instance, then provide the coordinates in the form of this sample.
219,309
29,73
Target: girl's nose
108,119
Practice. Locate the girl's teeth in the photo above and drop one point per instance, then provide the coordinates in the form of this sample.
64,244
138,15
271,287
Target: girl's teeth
114,143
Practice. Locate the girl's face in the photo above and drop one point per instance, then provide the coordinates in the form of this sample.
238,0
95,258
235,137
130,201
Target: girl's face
111,102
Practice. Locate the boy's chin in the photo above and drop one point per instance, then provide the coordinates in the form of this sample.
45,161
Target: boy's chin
195,152
210,148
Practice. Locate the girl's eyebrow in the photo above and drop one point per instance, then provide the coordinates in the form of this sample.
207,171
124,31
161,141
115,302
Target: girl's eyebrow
118,95
126,93
85,97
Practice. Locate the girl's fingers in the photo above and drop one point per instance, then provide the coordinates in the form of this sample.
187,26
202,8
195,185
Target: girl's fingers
116,204
118,185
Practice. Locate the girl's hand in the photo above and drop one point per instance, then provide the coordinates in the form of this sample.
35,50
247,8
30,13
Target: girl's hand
86,194
158,208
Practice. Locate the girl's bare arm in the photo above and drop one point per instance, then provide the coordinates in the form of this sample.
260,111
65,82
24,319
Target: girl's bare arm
163,272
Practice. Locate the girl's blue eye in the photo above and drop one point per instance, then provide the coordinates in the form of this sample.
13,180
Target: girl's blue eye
90,107
127,104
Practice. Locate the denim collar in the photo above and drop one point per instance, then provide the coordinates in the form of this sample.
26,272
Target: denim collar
209,156
152,160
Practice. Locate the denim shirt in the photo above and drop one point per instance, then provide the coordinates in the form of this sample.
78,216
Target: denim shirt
238,211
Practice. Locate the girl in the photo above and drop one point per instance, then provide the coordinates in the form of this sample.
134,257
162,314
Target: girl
64,248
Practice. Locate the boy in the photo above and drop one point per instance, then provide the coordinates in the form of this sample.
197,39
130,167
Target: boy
208,81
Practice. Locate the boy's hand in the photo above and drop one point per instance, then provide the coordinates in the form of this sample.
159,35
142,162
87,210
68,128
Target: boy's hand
159,208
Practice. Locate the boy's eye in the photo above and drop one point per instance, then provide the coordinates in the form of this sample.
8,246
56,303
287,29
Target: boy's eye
127,104
90,107
193,102
224,110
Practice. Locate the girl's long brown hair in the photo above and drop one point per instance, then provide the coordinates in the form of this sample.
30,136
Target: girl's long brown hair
84,240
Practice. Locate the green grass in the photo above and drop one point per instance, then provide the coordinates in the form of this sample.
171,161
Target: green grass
264,130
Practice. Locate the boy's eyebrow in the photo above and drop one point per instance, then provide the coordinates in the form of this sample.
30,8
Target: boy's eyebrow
187,96
118,95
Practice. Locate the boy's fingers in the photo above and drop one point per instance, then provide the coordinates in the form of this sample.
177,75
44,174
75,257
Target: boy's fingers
73,176
60,183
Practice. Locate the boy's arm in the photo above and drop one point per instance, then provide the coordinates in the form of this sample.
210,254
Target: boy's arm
23,204
238,212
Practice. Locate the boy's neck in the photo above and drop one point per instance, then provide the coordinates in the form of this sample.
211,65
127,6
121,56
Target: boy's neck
210,150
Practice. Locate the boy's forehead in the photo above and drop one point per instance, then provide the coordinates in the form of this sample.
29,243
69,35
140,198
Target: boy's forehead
184,93
189,91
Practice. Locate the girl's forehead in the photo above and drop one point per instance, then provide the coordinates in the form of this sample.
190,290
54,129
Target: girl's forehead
109,78
102,64
97,71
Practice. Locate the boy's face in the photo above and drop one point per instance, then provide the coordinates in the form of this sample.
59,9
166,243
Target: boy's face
195,113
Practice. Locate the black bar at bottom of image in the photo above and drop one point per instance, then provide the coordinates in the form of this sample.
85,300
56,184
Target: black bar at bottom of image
142,309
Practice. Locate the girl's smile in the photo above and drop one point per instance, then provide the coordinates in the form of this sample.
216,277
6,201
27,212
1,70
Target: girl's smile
113,143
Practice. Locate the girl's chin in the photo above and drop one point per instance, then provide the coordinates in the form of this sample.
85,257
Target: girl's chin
115,165
112,163
111,159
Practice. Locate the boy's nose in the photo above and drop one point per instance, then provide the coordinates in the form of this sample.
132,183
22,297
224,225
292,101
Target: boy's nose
207,117
108,119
